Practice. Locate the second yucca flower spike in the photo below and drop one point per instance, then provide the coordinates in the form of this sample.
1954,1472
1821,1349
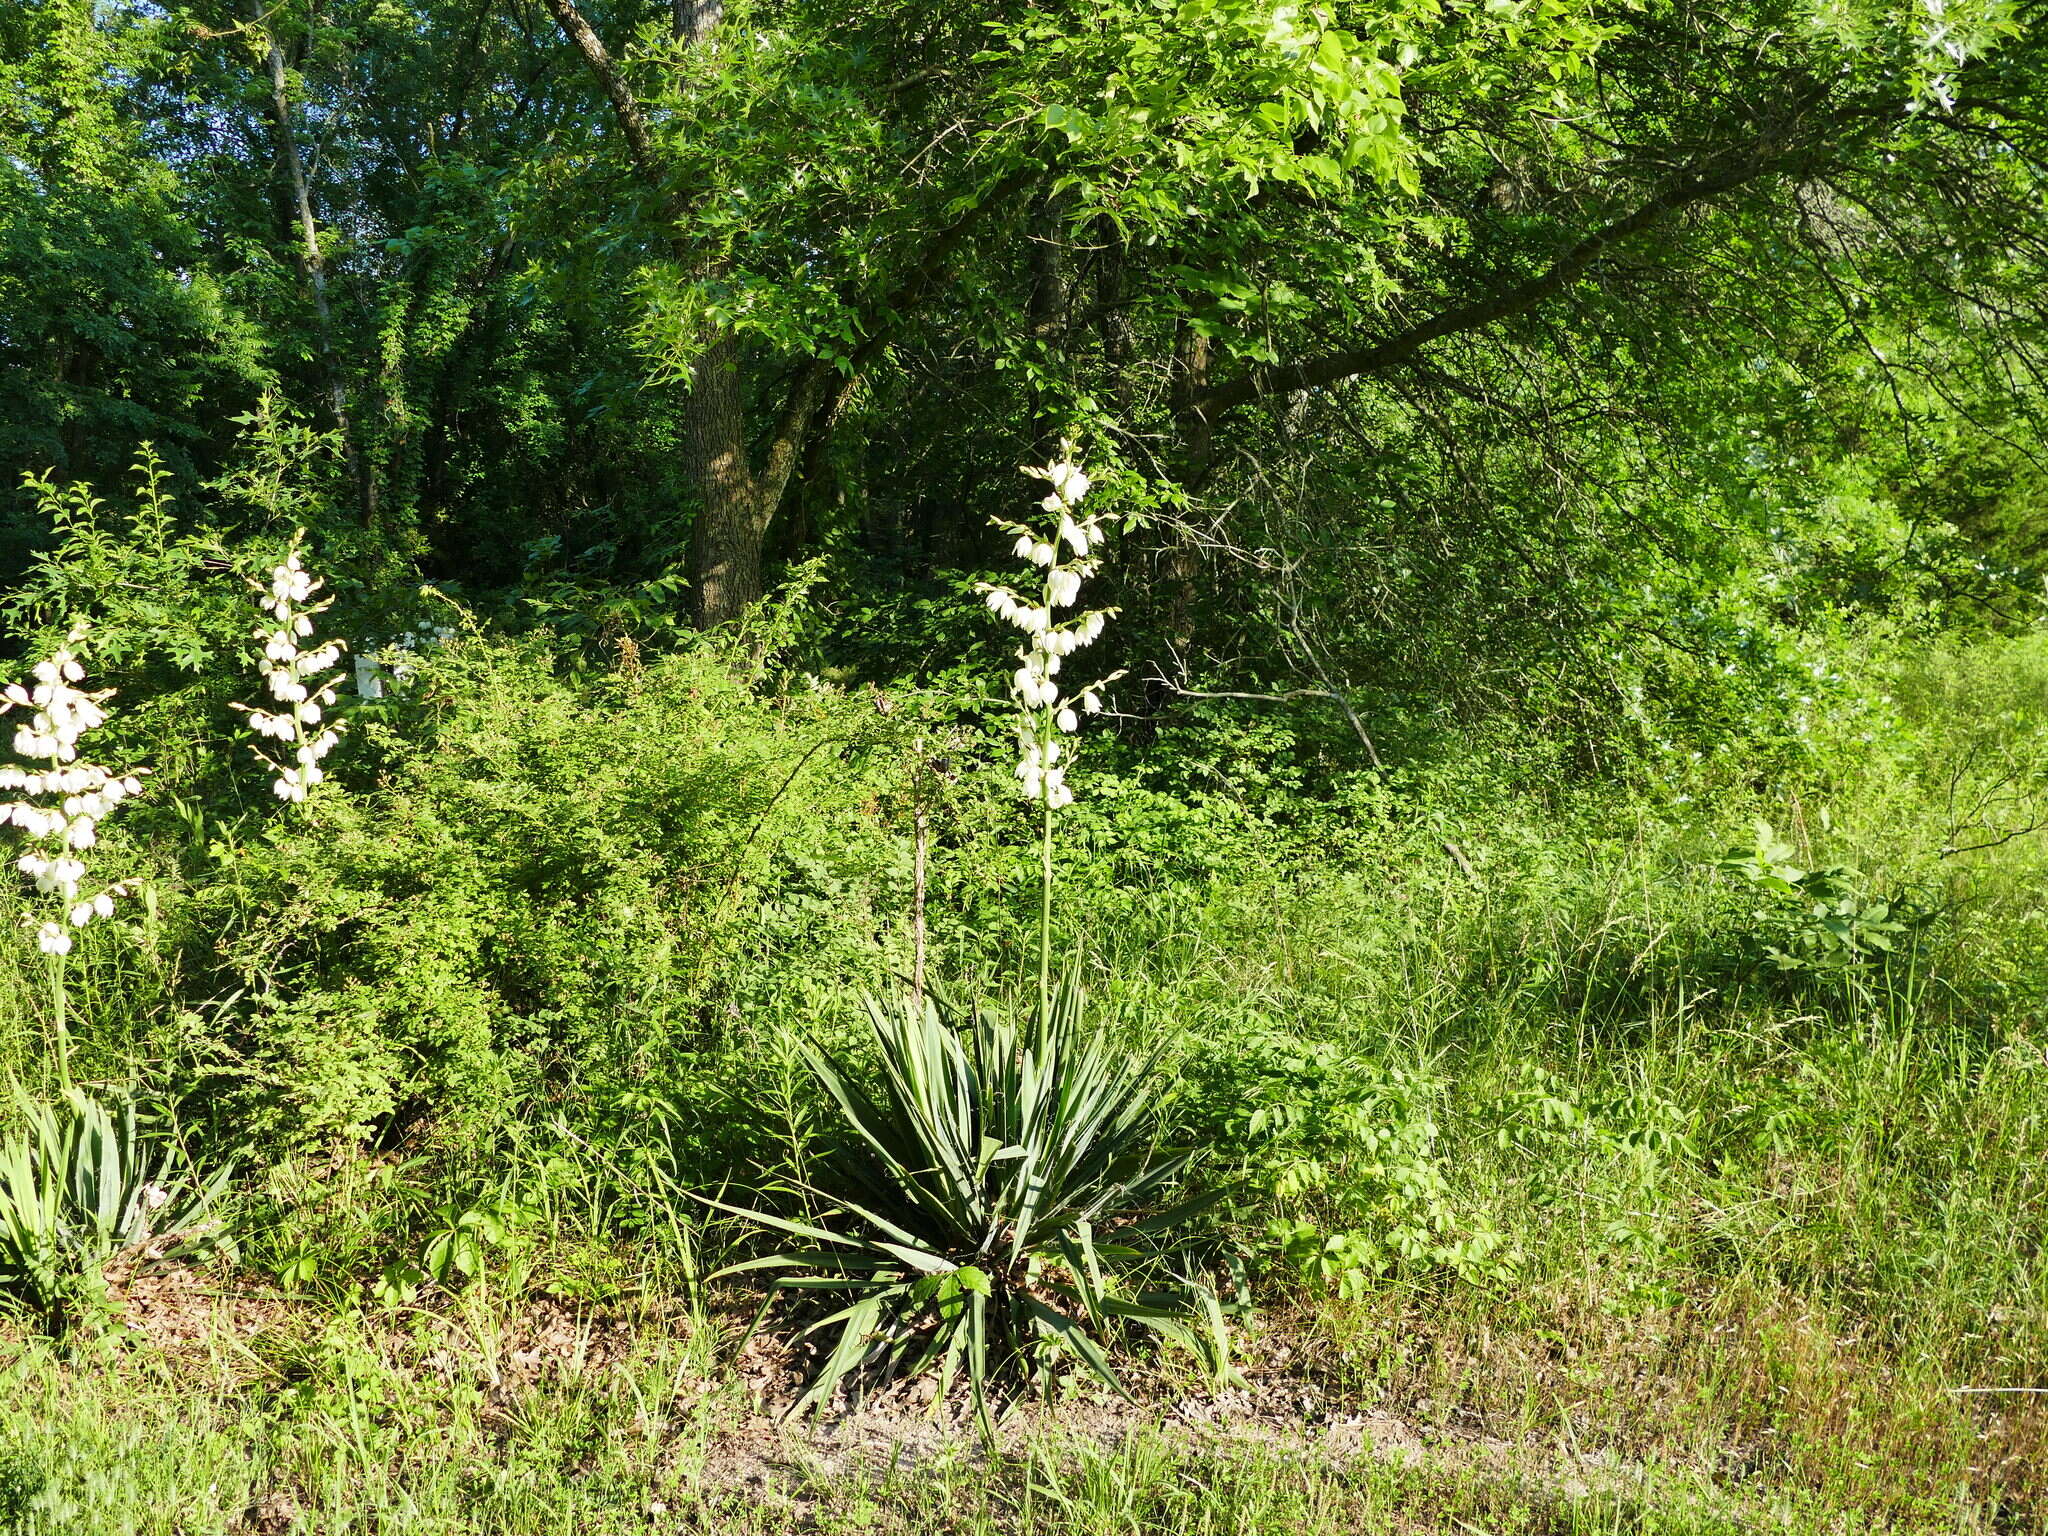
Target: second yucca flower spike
301,679
64,803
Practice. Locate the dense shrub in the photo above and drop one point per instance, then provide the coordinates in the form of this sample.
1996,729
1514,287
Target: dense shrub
540,889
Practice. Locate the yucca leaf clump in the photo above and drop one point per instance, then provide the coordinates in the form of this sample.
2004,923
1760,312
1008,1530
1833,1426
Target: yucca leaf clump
994,1181
83,1185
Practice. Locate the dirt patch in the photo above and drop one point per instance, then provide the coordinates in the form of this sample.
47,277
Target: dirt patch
183,1311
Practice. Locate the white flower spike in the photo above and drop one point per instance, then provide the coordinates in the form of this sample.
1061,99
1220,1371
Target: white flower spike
1044,716
84,794
297,678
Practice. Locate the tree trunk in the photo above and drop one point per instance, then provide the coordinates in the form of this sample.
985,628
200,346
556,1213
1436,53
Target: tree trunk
1181,558
311,264
1047,317
726,547
695,20
1112,316
739,503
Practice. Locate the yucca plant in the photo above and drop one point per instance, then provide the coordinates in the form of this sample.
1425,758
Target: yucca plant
998,1180
84,1186
992,1184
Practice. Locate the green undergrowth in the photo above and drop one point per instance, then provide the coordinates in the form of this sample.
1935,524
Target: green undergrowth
1692,1118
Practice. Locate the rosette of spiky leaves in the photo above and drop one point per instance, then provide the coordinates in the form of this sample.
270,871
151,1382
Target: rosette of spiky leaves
85,1185
984,1176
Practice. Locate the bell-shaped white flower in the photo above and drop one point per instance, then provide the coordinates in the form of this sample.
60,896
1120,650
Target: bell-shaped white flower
292,676
1046,720
83,794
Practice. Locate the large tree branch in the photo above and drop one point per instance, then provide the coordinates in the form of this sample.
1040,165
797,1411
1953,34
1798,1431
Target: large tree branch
1394,351
817,383
632,121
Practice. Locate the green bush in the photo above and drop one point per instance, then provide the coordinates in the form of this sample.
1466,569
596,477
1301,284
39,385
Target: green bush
539,889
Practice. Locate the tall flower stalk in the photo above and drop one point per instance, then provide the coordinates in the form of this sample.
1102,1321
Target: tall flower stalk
301,679
1062,546
987,1152
63,801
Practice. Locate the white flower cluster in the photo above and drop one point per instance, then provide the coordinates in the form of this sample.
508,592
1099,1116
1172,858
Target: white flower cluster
294,677
1063,551
76,796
